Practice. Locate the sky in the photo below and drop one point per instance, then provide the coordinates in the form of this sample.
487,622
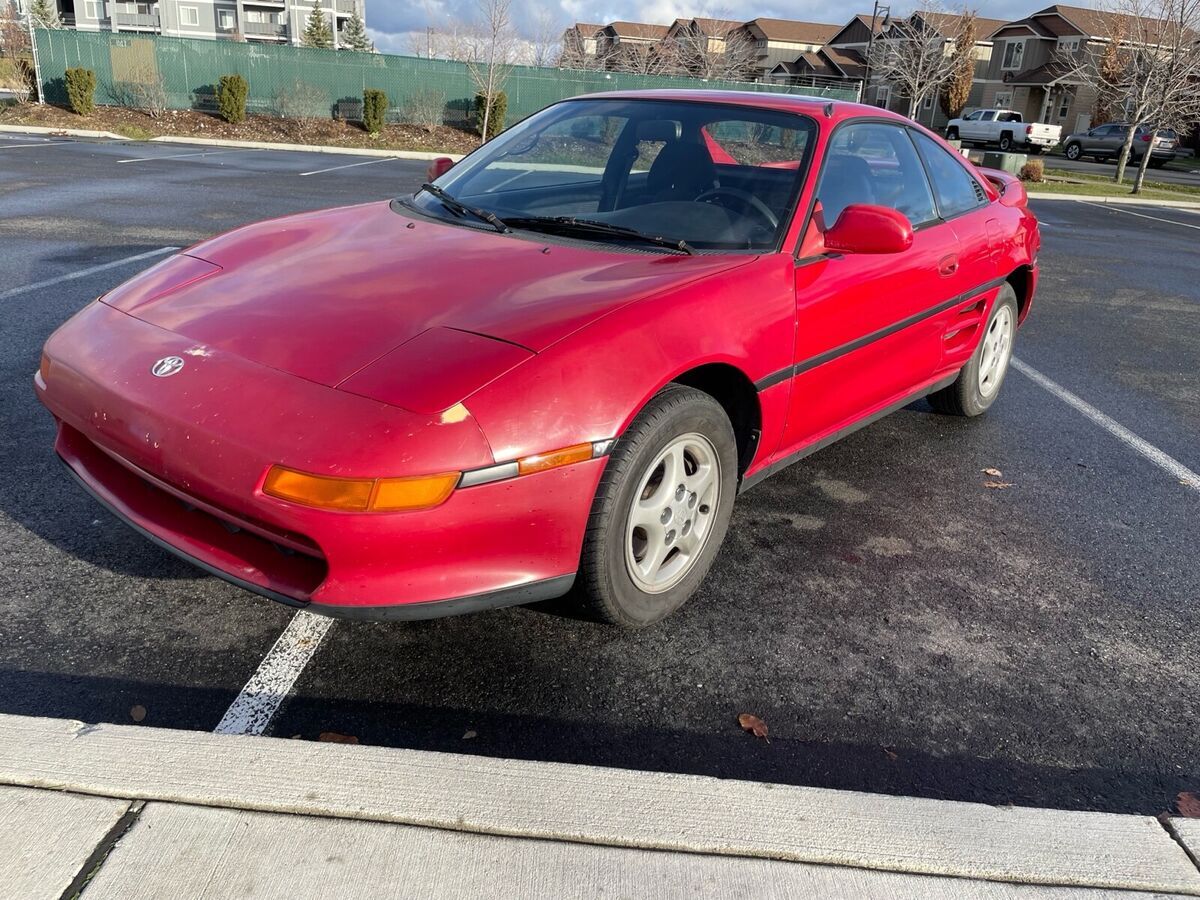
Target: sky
394,23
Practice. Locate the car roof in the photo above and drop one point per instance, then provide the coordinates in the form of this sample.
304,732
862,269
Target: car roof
817,107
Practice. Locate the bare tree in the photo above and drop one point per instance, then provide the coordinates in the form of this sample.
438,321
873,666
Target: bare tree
715,49
425,108
489,48
546,43
956,90
658,58
913,57
14,33
1160,83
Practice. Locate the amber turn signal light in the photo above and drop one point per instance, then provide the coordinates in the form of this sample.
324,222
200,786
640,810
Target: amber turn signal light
44,369
359,494
540,462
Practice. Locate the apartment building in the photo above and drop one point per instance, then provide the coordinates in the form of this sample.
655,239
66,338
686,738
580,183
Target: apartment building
782,40
1036,64
270,21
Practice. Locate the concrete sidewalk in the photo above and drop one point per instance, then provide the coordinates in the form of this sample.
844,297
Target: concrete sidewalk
132,812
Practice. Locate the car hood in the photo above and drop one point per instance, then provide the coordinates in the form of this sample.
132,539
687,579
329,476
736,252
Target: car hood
322,295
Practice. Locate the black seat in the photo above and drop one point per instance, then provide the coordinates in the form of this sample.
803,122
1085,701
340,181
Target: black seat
847,180
681,171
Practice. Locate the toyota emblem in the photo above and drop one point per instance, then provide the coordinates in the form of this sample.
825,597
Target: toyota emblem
167,366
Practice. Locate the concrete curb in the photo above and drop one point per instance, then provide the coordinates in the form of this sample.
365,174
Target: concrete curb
221,142
64,132
590,805
1116,201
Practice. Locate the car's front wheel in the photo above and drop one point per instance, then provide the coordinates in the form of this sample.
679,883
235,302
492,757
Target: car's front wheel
978,383
661,510
952,134
1074,151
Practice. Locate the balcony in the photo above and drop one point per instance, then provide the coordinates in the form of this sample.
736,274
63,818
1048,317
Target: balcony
264,29
135,21
345,7
273,4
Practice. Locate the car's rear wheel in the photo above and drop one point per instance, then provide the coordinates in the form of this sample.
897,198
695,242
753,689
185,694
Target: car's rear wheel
1074,151
1006,142
952,134
661,510
978,383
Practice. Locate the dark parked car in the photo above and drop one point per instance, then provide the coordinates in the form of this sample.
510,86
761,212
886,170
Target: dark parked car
1105,142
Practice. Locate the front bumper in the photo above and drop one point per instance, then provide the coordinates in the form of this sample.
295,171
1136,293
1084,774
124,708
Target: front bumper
186,470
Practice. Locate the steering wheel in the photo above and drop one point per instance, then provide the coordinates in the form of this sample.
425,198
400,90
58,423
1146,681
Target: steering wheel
748,202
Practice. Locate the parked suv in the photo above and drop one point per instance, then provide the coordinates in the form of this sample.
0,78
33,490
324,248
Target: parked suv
1105,142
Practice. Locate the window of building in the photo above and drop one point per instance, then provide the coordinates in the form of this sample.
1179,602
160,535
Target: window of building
225,18
1003,99
92,9
1064,104
928,104
883,97
1014,55
1068,45
189,15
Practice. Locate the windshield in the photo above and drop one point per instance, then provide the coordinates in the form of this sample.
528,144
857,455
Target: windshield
714,176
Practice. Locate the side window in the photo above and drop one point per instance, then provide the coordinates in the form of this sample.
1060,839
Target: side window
973,117
874,163
956,191
987,116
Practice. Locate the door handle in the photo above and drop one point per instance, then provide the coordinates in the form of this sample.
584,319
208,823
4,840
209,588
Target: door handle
948,265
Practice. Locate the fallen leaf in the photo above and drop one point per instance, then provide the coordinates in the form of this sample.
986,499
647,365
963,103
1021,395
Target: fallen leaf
998,485
137,713
469,735
995,473
332,737
1188,804
890,753
754,725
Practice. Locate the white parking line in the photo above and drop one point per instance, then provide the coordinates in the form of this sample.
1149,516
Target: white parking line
1167,463
83,273
8,146
369,162
1130,212
254,708
186,155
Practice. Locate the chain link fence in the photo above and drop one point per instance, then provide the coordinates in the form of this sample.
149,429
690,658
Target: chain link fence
182,73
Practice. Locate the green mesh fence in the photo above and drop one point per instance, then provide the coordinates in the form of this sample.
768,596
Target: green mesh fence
182,73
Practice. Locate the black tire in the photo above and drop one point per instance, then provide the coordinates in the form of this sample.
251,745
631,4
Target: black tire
1006,142
604,586
952,134
1073,152
963,397
1036,150
1157,163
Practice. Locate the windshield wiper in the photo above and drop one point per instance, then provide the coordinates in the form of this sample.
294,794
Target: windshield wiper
567,224
457,206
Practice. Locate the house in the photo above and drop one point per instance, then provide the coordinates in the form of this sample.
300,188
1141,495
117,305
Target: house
580,45
1036,63
778,41
942,29
631,46
710,48
842,57
270,21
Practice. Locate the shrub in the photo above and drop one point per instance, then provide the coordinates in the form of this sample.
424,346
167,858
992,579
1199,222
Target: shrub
143,90
375,104
81,90
495,118
305,105
426,109
231,98
1034,170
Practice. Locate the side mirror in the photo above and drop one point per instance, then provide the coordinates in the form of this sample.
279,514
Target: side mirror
862,228
438,168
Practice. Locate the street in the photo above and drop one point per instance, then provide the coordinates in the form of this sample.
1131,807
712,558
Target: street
901,628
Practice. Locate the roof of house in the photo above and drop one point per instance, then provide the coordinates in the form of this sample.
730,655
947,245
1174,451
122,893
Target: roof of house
862,19
715,27
1061,20
948,24
851,62
791,31
587,28
642,30
1047,73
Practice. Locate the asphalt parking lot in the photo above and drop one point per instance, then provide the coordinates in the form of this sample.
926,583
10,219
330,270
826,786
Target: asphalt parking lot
900,627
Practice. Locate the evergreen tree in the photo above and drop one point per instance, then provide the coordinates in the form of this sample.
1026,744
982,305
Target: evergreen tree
354,35
317,32
45,14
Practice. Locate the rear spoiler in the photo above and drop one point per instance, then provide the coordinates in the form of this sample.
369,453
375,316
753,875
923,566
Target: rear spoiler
1008,186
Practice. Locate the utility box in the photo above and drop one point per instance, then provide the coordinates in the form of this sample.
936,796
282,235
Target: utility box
1006,162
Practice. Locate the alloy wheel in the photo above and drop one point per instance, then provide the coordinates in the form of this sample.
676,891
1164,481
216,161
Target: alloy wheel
997,350
672,513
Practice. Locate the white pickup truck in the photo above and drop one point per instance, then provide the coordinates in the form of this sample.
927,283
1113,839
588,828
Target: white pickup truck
1005,128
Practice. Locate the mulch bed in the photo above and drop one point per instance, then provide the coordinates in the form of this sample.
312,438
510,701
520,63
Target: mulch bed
193,123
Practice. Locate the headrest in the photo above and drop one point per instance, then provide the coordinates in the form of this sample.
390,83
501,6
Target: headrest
659,130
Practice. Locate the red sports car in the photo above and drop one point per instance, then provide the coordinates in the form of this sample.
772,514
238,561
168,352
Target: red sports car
553,368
